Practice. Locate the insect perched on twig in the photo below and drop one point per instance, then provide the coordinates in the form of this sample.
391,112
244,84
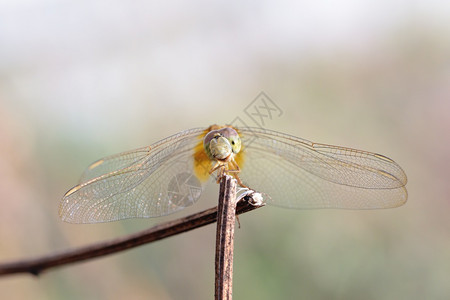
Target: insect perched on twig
171,174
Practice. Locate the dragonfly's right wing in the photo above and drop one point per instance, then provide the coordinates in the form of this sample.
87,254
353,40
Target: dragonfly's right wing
115,162
147,182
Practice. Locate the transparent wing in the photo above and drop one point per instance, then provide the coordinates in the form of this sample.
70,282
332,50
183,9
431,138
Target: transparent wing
115,162
297,173
146,182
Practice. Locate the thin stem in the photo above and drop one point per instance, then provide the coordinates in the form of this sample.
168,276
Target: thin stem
226,218
35,266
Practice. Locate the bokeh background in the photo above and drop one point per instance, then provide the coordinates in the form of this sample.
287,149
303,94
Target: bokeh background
80,80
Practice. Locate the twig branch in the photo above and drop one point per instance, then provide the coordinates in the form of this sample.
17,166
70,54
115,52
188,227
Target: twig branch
35,266
226,218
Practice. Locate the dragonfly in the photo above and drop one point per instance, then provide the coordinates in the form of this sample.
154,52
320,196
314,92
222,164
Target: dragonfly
292,172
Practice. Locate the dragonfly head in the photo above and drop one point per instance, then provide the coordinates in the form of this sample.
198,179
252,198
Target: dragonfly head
220,144
233,138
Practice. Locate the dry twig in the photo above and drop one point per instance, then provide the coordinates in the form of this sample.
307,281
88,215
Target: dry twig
35,266
226,218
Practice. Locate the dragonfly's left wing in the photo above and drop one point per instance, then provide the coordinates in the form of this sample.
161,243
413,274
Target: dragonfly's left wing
297,173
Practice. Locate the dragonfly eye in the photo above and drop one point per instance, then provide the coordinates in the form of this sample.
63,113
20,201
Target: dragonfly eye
235,144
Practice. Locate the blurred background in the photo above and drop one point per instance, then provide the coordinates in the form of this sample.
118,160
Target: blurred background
80,80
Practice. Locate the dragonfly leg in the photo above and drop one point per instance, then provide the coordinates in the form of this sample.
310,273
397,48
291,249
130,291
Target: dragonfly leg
216,166
240,181
232,167
221,171
228,167
236,170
